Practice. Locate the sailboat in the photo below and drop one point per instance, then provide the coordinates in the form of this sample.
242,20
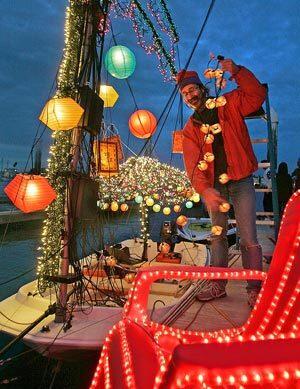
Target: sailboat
80,291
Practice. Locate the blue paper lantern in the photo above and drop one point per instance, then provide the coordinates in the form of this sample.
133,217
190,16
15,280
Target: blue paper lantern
138,199
189,204
120,62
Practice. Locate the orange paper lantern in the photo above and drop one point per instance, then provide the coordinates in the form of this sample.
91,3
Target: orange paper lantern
30,193
142,124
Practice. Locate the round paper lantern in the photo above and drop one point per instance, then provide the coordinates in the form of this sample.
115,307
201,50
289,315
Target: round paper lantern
109,95
177,208
224,207
129,277
120,62
181,220
195,198
156,207
189,204
167,211
124,207
202,165
111,261
149,201
138,199
223,178
114,206
142,124
61,114
216,230
164,247
30,193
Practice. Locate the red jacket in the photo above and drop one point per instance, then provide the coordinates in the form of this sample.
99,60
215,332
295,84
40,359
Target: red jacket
241,161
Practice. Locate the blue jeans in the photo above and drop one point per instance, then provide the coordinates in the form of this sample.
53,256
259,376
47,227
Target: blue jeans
242,195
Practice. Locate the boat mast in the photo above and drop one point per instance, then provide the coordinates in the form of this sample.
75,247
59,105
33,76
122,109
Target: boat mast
85,69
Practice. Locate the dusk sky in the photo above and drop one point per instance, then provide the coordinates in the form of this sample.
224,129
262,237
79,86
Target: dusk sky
261,35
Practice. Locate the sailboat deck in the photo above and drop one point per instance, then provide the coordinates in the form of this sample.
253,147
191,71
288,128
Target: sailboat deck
230,311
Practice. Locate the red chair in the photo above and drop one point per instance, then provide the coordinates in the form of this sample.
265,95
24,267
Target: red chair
137,351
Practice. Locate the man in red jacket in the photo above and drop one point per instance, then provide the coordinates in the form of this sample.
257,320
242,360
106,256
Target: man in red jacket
219,161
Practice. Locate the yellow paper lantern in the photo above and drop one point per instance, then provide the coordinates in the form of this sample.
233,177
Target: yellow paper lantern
216,230
156,207
202,165
149,201
209,157
209,139
164,247
109,95
195,198
61,114
114,206
224,207
167,211
223,178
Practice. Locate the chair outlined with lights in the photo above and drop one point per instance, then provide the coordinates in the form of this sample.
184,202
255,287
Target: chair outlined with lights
139,353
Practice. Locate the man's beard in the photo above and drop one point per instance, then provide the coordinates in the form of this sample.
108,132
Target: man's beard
197,103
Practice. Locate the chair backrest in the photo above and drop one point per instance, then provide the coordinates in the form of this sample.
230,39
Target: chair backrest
278,307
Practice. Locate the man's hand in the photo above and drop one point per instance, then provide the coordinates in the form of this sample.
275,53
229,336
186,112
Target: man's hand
229,66
212,199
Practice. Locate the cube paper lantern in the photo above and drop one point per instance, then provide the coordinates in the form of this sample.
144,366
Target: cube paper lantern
60,114
106,158
109,95
177,146
30,193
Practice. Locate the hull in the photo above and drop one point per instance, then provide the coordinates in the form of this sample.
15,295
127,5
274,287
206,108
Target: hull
89,325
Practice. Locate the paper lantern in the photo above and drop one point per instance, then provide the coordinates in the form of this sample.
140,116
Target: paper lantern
124,207
210,103
177,146
224,207
106,158
156,207
138,199
30,193
181,220
61,114
220,101
205,128
111,261
209,157
120,62
164,247
149,201
202,165
216,230
109,95
142,124
209,139
215,128
189,204
114,206
223,178
166,210
117,140
177,208
195,198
